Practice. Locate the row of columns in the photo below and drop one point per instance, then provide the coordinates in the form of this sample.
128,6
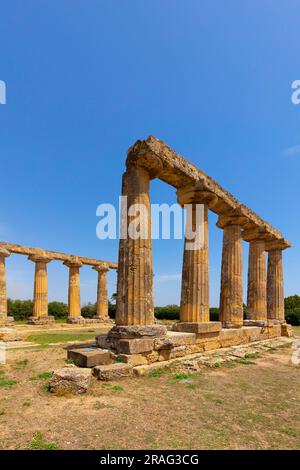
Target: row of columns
40,294
265,298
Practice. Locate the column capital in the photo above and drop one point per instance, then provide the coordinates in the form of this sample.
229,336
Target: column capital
192,193
101,268
226,220
73,263
4,252
39,258
277,245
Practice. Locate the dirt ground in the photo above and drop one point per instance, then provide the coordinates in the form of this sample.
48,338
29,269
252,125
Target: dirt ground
245,406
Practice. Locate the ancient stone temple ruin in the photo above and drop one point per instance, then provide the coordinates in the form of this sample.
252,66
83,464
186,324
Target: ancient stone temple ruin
136,338
41,258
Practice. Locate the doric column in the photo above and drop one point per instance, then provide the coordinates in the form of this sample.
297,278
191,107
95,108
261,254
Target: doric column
231,296
3,294
275,292
194,305
257,286
40,293
74,309
135,274
102,295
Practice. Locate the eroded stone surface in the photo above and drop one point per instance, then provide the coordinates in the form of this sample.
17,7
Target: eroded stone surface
70,379
89,357
112,371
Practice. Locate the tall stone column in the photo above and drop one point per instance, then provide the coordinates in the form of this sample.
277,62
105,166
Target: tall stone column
257,286
275,292
3,294
102,294
135,273
40,293
194,305
74,309
231,296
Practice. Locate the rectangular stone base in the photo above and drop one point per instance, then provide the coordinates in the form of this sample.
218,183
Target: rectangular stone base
198,328
76,320
131,350
89,357
45,320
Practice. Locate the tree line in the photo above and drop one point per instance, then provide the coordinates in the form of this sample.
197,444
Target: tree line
22,310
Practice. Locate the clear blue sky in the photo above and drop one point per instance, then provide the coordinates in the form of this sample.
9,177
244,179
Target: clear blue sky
85,80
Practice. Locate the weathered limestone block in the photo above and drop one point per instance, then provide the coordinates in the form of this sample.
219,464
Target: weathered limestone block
70,379
231,337
9,334
134,346
137,331
256,333
231,296
198,328
112,371
163,343
44,320
287,330
178,338
89,357
274,331
133,359
103,341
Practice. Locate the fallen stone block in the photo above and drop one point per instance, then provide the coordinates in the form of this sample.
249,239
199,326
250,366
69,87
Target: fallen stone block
112,371
9,334
70,379
89,357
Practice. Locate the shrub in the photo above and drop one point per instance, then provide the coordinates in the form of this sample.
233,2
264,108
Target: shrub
58,309
89,310
293,316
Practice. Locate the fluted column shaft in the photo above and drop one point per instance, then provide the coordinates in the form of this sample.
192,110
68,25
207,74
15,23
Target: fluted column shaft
194,305
231,297
74,309
275,291
257,286
3,292
135,272
40,293
102,294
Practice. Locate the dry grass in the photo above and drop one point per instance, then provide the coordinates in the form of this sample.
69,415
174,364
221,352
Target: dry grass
245,406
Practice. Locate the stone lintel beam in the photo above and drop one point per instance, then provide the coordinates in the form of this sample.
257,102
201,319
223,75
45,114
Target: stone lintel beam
4,252
164,163
54,255
259,233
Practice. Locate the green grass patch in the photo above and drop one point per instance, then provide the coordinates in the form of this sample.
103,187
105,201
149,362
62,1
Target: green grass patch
20,364
245,362
5,383
181,376
41,376
216,365
251,356
38,443
155,373
117,388
46,338
27,403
